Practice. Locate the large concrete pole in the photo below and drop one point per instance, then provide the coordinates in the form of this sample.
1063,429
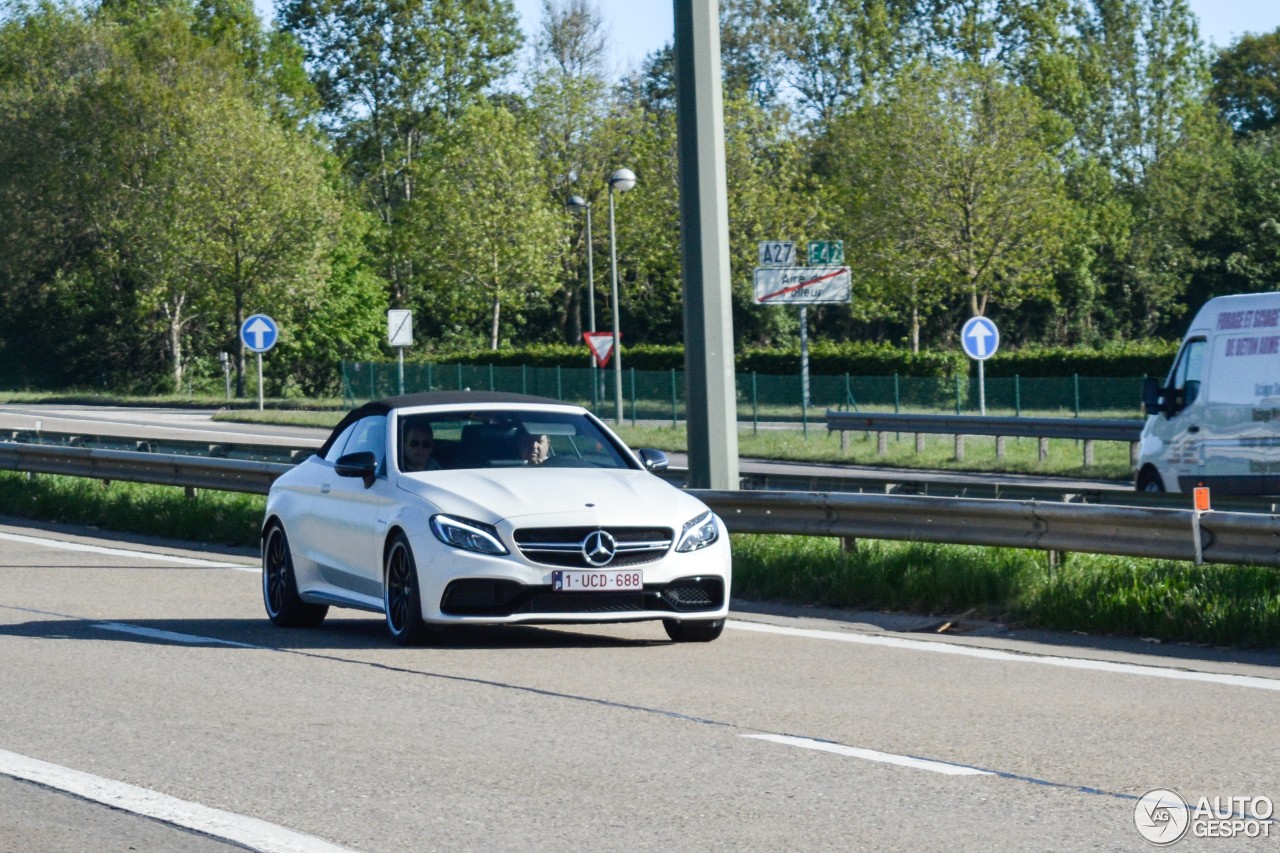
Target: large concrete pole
704,249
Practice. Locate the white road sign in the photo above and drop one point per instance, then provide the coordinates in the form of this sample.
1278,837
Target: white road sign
777,253
400,328
802,285
259,333
979,338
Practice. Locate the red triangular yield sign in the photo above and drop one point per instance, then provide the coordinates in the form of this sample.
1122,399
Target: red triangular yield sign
601,344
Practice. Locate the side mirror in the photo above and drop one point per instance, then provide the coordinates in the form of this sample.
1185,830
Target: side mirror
363,465
1151,396
654,460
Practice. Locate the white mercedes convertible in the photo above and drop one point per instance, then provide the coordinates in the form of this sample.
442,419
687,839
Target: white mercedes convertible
471,507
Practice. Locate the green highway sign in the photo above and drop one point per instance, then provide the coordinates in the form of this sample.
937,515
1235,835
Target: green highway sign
826,252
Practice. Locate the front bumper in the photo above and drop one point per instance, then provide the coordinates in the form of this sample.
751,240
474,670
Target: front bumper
694,585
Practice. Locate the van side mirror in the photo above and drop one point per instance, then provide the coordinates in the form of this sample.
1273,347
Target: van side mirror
654,460
1151,397
363,465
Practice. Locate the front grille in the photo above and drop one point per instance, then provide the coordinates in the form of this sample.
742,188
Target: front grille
562,546
481,597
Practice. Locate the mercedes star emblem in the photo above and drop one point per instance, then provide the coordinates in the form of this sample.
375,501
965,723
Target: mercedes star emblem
598,548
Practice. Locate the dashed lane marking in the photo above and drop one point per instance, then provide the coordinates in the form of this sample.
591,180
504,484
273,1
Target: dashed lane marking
945,648
250,832
874,755
171,636
121,552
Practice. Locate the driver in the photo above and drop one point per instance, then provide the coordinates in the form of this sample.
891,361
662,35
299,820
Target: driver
534,449
419,442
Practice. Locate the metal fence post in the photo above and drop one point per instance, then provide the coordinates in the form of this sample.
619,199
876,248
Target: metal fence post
897,397
755,406
634,415
1076,378
675,411
429,383
373,386
524,379
459,376
491,386
804,414
848,391
957,393
560,386
595,393
1017,396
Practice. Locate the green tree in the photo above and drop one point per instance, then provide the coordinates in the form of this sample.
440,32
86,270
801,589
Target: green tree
1246,82
390,75
957,190
487,234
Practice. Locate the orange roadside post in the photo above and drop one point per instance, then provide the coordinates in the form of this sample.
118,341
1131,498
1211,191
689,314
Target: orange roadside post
1202,498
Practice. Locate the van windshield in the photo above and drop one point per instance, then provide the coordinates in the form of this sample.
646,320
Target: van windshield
444,441
1187,375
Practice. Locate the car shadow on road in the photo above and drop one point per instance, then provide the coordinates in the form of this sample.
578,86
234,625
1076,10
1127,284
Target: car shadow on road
333,636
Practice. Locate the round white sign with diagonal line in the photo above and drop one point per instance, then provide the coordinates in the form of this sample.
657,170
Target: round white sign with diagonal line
1162,817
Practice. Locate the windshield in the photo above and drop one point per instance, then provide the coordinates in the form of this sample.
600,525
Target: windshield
445,441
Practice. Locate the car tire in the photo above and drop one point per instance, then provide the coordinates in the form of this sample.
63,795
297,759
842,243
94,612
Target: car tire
285,607
693,631
1149,481
401,596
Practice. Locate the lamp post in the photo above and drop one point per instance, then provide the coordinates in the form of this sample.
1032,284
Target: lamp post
621,181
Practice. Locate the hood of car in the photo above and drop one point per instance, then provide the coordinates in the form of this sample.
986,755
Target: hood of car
556,496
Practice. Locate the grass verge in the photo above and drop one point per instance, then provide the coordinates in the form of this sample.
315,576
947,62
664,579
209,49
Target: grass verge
226,518
1111,458
1213,604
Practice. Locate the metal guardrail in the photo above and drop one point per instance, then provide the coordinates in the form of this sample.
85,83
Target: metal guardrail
1087,430
1226,537
192,472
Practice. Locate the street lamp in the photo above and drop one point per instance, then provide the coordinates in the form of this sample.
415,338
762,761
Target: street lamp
621,181
578,204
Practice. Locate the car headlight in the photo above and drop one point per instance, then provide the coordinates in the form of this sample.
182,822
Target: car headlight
699,532
467,534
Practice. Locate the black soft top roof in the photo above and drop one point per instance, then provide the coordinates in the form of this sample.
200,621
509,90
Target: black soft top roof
430,398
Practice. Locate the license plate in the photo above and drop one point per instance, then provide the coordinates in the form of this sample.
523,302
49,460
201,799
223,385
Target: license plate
605,580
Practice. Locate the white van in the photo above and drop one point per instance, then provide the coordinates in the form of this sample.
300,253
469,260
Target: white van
1216,419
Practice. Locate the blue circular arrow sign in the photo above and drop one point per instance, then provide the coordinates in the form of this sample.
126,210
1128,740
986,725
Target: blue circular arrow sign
259,333
979,338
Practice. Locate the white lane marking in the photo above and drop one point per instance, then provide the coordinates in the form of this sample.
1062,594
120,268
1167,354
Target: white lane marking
121,552
875,755
943,648
171,636
248,831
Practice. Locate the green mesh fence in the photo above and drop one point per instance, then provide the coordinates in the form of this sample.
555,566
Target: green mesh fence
655,395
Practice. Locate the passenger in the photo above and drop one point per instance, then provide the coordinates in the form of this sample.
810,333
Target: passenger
534,449
419,442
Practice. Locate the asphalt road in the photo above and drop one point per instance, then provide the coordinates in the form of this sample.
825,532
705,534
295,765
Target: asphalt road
191,424
134,665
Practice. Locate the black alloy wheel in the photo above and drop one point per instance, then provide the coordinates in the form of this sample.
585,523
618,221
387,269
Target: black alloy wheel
693,630
401,598
280,588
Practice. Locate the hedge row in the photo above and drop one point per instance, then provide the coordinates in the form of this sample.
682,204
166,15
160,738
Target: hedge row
824,359
1151,358
1147,358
